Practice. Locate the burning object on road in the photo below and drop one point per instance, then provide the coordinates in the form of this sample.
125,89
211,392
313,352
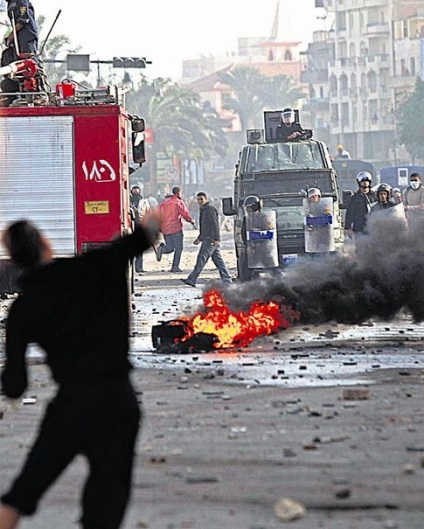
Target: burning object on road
219,327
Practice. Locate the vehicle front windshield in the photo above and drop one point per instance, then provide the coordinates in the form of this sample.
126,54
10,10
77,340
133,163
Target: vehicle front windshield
290,213
283,157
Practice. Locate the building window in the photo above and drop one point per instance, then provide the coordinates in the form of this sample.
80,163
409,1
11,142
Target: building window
372,82
288,56
335,115
343,85
341,20
345,114
333,86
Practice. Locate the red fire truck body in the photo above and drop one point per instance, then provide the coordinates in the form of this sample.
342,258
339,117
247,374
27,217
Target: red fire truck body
65,167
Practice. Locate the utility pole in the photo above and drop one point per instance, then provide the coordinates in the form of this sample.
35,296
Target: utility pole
82,63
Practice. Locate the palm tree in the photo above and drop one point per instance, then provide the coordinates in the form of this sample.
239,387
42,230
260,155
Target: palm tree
181,124
254,92
281,91
246,84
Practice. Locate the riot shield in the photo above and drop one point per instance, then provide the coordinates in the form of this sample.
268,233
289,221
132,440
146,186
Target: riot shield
319,232
398,212
261,239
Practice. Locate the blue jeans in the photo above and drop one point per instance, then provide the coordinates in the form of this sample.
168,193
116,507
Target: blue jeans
208,250
174,243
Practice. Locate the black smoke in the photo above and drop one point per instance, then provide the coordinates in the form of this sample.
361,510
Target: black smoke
376,277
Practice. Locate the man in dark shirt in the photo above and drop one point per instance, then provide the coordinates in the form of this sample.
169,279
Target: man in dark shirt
77,310
210,240
289,130
21,43
22,17
359,205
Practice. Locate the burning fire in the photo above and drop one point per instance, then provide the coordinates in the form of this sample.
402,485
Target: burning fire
239,328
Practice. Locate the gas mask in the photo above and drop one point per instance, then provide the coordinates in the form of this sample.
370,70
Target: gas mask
415,185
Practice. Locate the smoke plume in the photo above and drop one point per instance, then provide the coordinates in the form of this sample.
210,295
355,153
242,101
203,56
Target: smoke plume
379,275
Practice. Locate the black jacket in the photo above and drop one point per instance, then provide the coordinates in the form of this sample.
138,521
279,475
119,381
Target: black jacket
77,310
209,223
357,210
283,132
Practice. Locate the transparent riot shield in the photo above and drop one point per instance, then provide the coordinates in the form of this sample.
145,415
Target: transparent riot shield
319,232
261,239
398,212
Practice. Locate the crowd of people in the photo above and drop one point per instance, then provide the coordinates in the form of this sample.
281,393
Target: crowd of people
367,201
202,212
77,310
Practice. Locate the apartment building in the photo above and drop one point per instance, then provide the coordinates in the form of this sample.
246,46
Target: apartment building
375,52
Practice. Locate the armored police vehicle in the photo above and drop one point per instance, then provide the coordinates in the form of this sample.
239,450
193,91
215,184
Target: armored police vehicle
279,174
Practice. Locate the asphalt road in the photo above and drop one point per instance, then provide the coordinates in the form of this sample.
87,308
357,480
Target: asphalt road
330,417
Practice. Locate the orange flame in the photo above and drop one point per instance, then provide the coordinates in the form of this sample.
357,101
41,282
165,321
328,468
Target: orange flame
239,328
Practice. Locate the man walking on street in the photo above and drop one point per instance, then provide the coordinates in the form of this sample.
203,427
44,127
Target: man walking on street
140,206
77,310
173,211
210,240
413,197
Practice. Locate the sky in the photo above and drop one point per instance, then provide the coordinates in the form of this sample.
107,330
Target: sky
167,32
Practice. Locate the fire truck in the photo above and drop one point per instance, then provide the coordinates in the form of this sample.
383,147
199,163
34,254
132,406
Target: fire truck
279,174
64,165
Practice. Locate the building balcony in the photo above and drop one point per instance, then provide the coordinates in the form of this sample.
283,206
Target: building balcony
401,82
314,76
380,61
376,29
375,3
335,5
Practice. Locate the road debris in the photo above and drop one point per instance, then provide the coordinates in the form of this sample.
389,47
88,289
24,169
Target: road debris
289,510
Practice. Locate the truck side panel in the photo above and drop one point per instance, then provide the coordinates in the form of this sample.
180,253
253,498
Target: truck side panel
98,179
37,177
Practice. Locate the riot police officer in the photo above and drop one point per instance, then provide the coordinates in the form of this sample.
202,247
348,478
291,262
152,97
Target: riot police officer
384,198
289,129
359,205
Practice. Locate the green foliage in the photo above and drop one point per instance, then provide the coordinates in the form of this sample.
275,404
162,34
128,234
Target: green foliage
411,122
181,123
280,92
54,48
254,93
247,103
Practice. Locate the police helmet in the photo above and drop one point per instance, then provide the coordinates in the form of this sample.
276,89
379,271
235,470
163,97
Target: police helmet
288,115
384,188
313,191
362,176
252,202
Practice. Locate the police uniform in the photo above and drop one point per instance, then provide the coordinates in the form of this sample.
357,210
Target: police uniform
285,131
22,12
